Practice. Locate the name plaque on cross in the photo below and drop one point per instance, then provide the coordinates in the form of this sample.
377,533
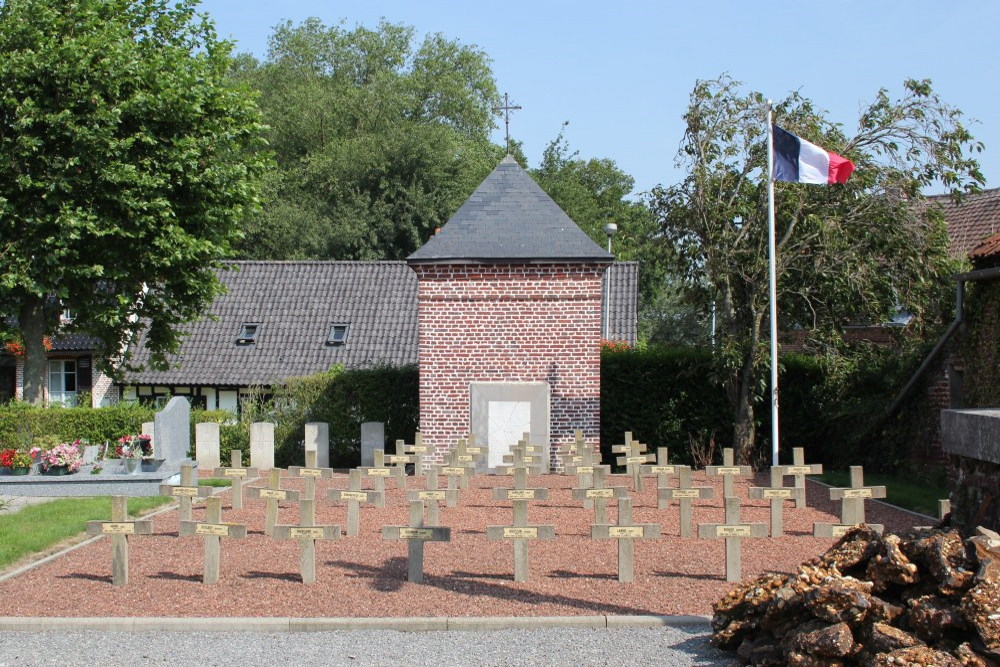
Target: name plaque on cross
625,532
120,530
510,532
416,536
234,472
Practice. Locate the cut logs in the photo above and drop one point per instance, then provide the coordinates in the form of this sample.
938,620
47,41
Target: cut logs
922,598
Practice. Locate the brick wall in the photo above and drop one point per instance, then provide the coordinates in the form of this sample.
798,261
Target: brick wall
509,323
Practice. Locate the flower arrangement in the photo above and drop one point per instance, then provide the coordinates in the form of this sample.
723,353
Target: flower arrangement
15,347
64,454
15,458
134,446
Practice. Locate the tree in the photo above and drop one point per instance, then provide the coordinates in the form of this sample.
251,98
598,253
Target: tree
856,252
378,139
595,192
128,157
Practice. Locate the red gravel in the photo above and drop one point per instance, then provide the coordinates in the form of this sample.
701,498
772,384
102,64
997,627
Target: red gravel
365,576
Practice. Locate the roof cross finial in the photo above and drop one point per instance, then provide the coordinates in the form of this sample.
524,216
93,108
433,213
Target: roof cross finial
507,108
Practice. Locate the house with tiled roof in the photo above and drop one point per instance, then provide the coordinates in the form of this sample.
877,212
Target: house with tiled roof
971,220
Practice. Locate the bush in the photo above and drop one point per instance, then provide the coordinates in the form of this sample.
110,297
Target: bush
20,423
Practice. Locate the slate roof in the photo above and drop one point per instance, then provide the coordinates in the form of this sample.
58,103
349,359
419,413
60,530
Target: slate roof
509,219
296,302
73,342
972,221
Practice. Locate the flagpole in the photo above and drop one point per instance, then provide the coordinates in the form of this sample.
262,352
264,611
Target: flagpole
773,286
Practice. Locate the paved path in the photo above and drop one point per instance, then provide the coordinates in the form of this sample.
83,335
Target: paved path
668,646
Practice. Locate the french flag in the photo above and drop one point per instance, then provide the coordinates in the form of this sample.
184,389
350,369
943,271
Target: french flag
798,161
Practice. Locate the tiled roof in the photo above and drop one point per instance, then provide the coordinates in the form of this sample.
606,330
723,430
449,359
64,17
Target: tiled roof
972,221
621,289
990,248
66,342
296,302
509,219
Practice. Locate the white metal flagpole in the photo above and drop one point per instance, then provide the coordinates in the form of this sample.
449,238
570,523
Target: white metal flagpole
773,286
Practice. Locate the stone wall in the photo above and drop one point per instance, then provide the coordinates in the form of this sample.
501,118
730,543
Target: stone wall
971,438
509,323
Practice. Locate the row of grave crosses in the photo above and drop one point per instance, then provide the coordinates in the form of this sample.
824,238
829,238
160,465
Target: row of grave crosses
523,459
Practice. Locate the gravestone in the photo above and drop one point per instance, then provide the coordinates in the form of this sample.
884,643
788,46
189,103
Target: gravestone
416,535
212,529
379,472
777,493
433,496
520,532
273,494
600,494
852,506
310,472
318,440
684,494
454,472
663,470
418,450
468,454
119,528
625,532
206,445
172,429
90,454
354,495
372,438
307,532
580,461
237,474
186,491
262,445
800,469
728,472
634,458
733,532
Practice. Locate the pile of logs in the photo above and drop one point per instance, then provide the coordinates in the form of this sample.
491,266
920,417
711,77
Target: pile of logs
923,598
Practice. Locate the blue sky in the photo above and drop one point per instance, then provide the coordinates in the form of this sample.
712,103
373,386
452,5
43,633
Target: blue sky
621,73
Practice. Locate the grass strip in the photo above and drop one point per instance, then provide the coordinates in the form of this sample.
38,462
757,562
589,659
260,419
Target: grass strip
215,481
911,493
36,528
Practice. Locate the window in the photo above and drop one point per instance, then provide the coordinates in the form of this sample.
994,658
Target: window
62,381
338,334
248,333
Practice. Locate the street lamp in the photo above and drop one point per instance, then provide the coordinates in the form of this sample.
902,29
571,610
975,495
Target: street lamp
610,230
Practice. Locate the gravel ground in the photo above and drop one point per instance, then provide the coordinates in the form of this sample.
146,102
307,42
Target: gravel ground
684,645
365,576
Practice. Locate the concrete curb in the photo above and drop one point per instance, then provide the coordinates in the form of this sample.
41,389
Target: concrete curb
269,624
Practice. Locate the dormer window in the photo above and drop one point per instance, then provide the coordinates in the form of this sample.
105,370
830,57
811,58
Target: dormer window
338,334
248,333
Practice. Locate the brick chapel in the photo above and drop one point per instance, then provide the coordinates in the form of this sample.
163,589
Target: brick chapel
509,321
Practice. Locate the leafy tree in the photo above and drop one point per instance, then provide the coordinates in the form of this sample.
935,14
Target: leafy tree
847,253
128,156
595,192
378,139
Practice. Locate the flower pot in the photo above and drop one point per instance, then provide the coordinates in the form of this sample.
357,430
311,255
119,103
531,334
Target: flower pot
132,465
19,471
57,470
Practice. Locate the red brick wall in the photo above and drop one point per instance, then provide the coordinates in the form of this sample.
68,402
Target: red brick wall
509,323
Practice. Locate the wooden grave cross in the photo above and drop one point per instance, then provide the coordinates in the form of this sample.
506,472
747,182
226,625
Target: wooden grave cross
728,472
416,535
577,453
777,493
454,471
238,474
633,459
380,471
186,491
852,506
733,532
119,528
685,494
581,463
354,495
307,532
433,496
522,455
625,532
213,529
310,472
663,471
418,450
800,469
274,494
600,494
520,532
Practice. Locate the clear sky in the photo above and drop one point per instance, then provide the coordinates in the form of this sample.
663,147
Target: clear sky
621,72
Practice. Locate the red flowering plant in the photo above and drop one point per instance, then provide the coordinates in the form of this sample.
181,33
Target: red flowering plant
64,454
134,446
15,458
608,345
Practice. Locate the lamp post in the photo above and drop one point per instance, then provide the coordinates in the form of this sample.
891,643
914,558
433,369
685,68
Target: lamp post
610,230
